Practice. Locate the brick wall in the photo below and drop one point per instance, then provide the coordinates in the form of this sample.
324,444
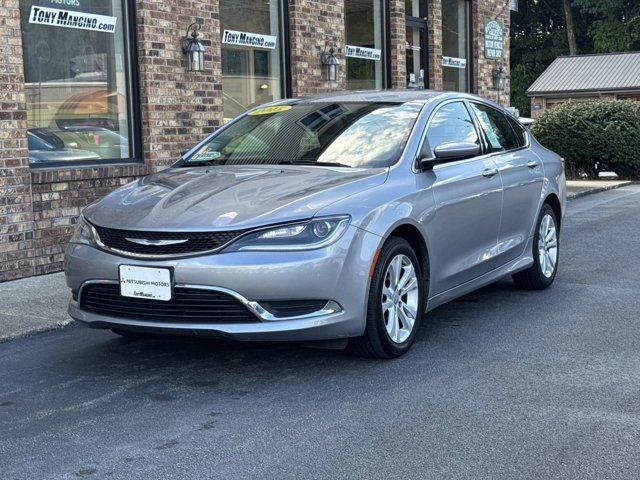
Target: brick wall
434,28
16,220
483,67
59,196
315,25
178,107
398,33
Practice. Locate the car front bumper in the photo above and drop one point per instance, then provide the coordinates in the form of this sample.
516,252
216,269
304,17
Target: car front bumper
338,273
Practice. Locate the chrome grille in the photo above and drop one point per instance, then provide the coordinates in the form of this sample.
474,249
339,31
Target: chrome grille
176,243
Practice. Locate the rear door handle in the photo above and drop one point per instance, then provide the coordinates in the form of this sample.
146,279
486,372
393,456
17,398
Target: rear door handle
532,164
490,172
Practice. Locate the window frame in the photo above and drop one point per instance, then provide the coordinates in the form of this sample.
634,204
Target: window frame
284,47
132,79
385,24
487,150
470,57
424,141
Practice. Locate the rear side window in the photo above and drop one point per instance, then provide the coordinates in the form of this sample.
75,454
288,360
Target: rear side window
497,128
521,132
451,123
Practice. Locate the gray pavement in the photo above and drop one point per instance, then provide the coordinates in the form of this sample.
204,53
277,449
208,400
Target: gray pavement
33,305
501,384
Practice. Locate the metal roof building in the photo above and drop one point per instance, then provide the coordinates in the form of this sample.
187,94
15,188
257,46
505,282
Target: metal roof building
582,77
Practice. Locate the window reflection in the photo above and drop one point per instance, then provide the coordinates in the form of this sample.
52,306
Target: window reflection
250,75
350,134
77,85
451,123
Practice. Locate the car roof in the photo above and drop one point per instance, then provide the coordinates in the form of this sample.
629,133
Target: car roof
384,96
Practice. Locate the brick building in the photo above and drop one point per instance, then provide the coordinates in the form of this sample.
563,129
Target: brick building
97,92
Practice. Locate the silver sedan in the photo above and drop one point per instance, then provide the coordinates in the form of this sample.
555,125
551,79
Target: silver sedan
339,219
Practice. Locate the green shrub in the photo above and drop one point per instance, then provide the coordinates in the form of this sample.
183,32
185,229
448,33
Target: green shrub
594,136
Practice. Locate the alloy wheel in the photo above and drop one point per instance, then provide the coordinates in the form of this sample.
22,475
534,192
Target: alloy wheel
400,298
548,245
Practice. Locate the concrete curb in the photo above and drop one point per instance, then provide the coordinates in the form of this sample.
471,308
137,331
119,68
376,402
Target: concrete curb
574,195
25,314
35,331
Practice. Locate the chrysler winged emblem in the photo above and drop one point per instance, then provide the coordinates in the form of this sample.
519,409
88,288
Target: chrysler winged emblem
155,243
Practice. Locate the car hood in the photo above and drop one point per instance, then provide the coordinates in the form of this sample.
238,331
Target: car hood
229,197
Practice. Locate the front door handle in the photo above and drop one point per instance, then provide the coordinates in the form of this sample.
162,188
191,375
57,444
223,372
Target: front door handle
532,164
490,172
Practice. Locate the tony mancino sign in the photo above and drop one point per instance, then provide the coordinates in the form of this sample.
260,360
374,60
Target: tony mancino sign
56,17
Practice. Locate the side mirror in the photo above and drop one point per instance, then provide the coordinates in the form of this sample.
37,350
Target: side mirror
456,150
446,152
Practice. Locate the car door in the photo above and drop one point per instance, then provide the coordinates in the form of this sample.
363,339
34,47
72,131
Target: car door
522,178
463,234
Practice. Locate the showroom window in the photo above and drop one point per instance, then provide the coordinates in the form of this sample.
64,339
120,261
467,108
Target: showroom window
78,77
251,54
364,51
456,45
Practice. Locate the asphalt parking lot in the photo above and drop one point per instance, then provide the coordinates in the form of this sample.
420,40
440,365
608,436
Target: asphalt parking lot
501,383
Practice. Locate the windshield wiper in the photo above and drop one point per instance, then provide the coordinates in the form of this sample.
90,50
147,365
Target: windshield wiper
313,162
199,163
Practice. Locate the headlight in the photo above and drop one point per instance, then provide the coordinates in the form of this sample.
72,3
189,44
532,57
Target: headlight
316,233
84,233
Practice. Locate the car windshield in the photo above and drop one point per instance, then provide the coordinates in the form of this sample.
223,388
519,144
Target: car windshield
346,134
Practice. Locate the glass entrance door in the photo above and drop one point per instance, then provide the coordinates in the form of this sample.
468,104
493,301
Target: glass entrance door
416,44
416,64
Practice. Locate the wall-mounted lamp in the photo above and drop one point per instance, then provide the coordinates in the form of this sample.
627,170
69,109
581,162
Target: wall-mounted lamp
499,78
193,48
330,65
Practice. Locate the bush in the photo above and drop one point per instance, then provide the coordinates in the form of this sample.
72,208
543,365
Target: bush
594,136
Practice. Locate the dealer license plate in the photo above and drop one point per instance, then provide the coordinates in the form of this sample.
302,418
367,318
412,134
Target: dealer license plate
145,282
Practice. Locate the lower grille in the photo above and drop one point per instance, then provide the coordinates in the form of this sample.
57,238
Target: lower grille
188,305
187,242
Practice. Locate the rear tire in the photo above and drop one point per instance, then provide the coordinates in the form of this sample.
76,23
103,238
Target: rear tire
395,305
546,253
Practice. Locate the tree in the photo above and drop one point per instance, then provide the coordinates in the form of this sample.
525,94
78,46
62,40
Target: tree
543,29
571,32
616,24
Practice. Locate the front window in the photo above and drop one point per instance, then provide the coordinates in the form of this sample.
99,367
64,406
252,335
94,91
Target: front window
251,54
78,81
340,134
451,124
364,44
455,45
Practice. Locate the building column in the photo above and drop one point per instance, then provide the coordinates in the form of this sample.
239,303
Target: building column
16,208
178,108
398,33
483,67
315,25
434,41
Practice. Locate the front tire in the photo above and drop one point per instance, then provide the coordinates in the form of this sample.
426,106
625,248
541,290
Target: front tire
395,305
546,250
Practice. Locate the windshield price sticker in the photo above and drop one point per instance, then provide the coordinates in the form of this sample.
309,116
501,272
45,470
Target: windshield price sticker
56,17
270,110
247,39
362,52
